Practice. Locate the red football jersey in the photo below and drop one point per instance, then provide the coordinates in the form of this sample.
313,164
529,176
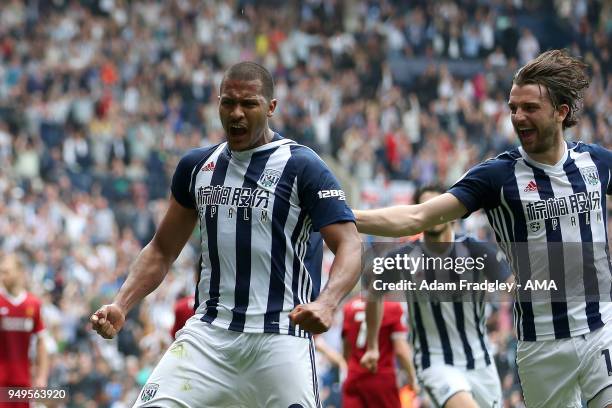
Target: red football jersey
183,310
354,332
19,319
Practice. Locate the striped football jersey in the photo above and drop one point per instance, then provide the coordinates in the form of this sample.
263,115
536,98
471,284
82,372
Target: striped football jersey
550,220
258,210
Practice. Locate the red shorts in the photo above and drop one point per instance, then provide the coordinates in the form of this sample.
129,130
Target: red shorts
376,390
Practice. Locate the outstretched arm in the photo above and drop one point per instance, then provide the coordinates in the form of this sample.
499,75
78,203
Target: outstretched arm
403,220
149,269
344,241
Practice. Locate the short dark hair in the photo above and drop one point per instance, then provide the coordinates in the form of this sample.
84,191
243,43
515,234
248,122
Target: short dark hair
429,188
564,77
251,71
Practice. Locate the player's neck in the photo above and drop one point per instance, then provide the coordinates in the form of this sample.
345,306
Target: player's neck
553,155
13,291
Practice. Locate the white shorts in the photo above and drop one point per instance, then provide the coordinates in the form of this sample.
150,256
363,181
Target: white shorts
443,381
559,373
207,366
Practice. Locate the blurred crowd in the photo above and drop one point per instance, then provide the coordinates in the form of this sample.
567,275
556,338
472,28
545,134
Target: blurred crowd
100,98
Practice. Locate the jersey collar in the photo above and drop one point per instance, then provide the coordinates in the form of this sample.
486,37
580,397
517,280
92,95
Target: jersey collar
14,300
556,166
245,155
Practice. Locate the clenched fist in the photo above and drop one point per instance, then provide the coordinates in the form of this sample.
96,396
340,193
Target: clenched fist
108,320
313,317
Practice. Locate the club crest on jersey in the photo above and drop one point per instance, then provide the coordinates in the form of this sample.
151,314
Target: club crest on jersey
590,175
148,392
269,178
534,226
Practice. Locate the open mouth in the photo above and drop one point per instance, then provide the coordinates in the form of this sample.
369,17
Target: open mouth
237,130
527,133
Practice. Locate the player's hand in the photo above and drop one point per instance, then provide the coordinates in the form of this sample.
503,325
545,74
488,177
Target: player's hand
370,359
108,320
313,317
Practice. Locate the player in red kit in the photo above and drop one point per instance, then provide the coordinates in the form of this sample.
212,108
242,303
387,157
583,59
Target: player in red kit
19,320
362,387
183,310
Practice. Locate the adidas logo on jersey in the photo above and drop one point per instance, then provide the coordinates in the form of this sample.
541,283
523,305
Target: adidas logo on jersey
209,167
532,186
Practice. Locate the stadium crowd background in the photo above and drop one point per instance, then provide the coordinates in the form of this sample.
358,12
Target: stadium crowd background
100,98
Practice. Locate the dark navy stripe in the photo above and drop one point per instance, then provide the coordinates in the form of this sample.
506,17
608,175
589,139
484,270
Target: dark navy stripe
589,276
556,261
478,304
296,265
479,318
196,303
313,260
460,320
447,350
422,336
243,241
525,326
280,212
217,179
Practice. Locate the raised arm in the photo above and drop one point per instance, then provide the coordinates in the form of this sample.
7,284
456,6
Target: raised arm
149,269
344,241
404,220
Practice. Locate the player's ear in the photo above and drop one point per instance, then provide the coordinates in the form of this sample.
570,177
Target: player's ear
271,107
562,112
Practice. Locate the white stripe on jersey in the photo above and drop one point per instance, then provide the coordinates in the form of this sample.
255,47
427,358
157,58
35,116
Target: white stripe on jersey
262,236
538,254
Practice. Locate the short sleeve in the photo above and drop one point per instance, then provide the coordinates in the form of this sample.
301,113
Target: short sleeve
38,321
320,192
480,186
182,178
603,159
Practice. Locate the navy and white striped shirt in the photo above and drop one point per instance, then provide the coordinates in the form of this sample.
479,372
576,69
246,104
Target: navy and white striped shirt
533,208
453,332
257,211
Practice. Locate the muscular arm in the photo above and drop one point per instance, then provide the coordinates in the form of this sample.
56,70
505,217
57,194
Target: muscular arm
149,269
343,240
345,243
403,220
154,261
